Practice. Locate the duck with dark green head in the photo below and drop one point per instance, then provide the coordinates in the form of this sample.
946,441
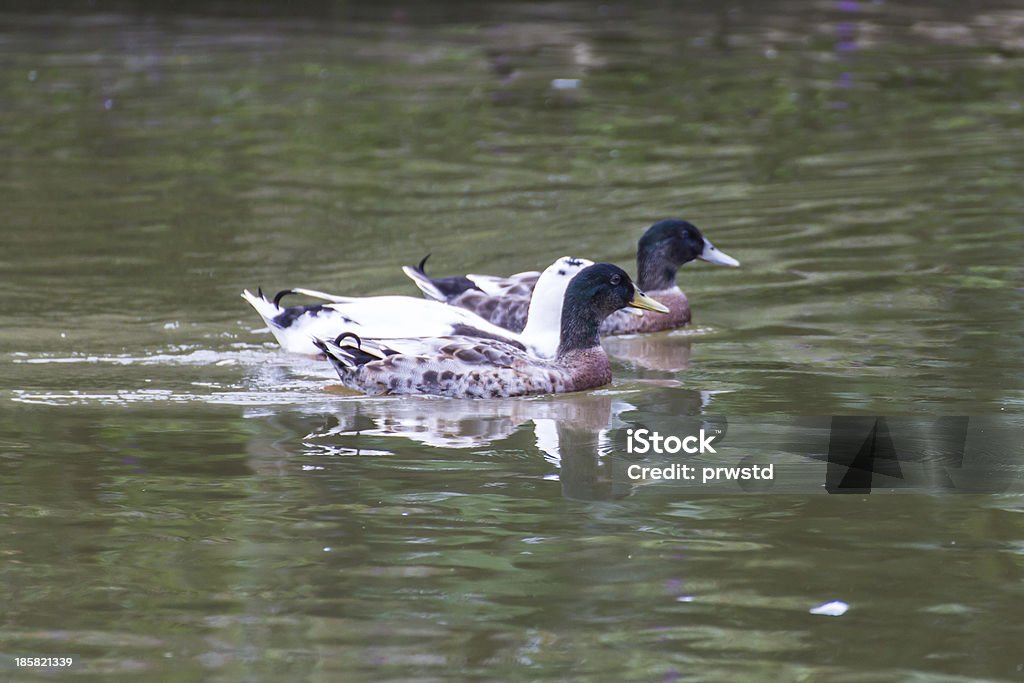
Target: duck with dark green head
661,252
664,248
468,367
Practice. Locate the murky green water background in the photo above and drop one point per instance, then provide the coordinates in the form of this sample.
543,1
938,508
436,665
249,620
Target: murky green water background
182,501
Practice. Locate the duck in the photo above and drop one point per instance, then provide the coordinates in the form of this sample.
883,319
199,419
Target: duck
387,317
662,250
460,366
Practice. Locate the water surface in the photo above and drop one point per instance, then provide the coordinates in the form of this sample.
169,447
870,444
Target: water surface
182,501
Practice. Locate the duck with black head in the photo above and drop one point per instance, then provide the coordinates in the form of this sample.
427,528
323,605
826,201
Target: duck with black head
662,250
467,367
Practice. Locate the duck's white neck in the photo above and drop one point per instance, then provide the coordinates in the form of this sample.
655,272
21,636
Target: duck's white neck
542,333
543,322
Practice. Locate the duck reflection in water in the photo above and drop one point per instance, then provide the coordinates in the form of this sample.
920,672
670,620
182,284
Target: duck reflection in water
575,433
456,423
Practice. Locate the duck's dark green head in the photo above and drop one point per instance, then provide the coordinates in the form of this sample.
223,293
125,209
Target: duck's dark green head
669,244
594,293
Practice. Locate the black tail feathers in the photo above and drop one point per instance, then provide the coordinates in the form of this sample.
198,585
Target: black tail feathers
359,342
280,295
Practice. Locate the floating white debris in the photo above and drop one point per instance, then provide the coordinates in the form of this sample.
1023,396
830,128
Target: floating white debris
172,326
565,83
836,608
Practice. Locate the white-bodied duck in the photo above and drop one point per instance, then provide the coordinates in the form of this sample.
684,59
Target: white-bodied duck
389,317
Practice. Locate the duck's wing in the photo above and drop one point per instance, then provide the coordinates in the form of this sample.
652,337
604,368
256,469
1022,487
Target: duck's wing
502,301
460,367
397,317
508,311
449,288
520,284
469,350
380,317
317,294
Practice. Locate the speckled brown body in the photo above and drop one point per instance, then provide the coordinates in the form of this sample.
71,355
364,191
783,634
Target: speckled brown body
622,322
470,368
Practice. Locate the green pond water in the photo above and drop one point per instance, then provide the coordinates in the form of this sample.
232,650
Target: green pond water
179,500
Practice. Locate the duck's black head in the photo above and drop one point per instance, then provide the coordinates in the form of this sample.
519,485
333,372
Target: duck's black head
669,244
596,292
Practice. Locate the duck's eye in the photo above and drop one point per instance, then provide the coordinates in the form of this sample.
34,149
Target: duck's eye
616,279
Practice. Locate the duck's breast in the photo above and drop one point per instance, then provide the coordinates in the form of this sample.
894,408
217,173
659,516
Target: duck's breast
678,315
583,369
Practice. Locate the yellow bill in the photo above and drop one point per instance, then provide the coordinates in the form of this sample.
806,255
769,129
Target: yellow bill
641,300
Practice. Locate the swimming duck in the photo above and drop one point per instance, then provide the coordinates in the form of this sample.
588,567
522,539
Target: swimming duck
460,366
664,247
386,317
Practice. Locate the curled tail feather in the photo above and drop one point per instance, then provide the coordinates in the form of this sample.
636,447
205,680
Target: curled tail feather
347,352
418,274
442,289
